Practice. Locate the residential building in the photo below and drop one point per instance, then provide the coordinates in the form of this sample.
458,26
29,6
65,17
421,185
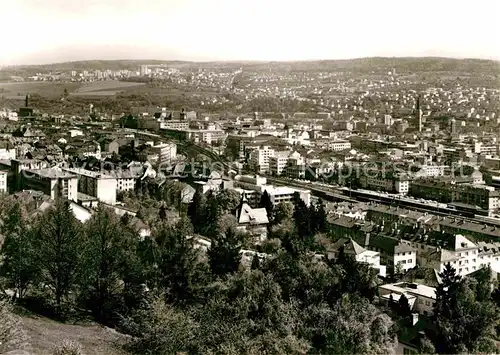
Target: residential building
464,255
148,123
3,181
259,159
7,153
174,124
332,144
125,179
252,220
96,184
166,152
277,194
360,254
53,182
421,298
277,164
485,197
385,182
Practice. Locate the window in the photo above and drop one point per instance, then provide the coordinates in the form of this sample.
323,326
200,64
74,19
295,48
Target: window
409,261
427,303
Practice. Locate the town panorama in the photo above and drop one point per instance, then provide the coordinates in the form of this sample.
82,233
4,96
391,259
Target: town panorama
314,207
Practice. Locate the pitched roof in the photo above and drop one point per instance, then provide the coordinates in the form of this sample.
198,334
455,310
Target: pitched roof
350,246
248,215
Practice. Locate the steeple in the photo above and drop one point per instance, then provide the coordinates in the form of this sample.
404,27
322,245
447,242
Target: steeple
243,203
419,114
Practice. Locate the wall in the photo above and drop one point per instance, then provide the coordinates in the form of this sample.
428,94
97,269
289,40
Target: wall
106,190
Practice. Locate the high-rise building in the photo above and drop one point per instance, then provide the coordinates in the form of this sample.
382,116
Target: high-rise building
143,69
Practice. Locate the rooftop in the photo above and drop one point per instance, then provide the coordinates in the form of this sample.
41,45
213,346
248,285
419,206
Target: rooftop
89,173
412,289
50,173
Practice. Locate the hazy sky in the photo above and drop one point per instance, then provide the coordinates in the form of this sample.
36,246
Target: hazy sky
42,31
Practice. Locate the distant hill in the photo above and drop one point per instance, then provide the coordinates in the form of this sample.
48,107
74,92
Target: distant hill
101,64
401,64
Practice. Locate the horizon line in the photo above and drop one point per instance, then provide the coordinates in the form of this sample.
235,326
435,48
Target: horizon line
254,60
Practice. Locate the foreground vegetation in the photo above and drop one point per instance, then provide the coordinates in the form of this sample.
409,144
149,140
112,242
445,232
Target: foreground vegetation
171,297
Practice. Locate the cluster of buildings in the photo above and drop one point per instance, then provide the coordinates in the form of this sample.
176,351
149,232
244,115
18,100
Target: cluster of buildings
404,238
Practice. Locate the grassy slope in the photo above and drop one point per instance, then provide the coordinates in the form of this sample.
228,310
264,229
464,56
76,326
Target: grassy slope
45,334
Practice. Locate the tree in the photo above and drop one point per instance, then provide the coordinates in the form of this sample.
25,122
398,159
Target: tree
18,265
446,291
58,252
213,213
177,261
162,329
320,217
282,212
303,221
255,262
224,253
228,200
351,326
197,211
162,213
358,278
404,306
104,254
265,202
464,323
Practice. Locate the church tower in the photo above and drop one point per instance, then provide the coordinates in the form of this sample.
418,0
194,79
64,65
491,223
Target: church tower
419,114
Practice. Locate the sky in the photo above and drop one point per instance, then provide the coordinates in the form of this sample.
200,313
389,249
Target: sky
49,31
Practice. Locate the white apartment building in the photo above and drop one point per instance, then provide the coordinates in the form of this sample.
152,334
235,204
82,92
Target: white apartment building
465,256
332,144
277,165
96,184
3,181
430,170
277,194
167,152
7,154
259,159
486,149
53,182
125,179
402,186
174,124
405,257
